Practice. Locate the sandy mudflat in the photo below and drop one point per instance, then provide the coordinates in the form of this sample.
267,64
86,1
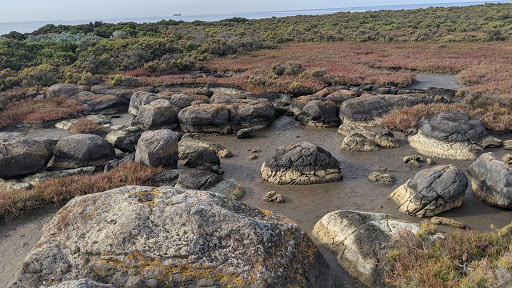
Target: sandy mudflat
17,239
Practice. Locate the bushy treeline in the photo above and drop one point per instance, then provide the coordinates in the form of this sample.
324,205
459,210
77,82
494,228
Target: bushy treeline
70,52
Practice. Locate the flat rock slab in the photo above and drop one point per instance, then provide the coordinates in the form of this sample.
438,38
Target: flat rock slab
431,191
491,179
165,237
81,150
301,163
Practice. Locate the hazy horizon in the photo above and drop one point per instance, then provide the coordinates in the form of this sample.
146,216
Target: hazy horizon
72,10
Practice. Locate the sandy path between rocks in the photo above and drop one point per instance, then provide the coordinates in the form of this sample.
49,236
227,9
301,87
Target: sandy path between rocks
17,239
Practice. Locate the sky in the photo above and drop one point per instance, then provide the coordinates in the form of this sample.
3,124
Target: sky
48,10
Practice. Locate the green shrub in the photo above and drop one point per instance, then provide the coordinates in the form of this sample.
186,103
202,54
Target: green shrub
123,80
39,76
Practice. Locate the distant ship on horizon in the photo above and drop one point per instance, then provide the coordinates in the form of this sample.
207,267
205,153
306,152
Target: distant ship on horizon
176,14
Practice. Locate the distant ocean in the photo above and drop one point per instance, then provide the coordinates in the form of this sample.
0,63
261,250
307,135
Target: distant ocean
26,27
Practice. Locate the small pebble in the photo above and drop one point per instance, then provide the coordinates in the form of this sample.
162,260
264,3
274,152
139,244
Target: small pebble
253,157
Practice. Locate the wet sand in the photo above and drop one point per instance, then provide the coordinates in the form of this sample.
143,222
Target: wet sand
304,204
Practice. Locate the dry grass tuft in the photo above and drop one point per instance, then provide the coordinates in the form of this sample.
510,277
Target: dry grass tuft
16,203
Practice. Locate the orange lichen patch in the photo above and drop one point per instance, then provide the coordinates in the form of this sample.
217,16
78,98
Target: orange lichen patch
147,197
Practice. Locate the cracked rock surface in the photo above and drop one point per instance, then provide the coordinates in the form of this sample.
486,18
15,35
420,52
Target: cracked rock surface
452,135
431,191
156,148
359,239
491,179
167,237
301,163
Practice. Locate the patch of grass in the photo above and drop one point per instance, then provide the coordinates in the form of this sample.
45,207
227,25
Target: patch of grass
464,259
38,111
15,203
85,126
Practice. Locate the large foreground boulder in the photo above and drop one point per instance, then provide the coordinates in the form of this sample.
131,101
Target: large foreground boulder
165,237
301,163
81,150
157,148
431,191
360,240
491,179
452,135
24,156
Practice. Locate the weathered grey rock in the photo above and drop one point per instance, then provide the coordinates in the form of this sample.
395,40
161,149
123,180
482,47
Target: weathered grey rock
273,196
206,118
13,185
359,143
369,109
116,162
24,156
157,148
491,179
301,163
507,158
245,133
9,136
167,178
140,98
82,283
81,150
319,113
381,179
507,144
67,90
197,179
165,237
431,191
158,114
47,175
189,146
205,160
100,102
452,135
369,140
125,139
359,239
246,113
184,100
228,188
448,222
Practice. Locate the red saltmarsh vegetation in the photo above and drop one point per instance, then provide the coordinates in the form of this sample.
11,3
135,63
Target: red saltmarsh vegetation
15,203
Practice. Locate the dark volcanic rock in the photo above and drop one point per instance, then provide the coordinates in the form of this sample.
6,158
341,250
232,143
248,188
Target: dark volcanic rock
197,179
491,179
205,160
157,148
431,191
301,163
167,237
81,150
319,113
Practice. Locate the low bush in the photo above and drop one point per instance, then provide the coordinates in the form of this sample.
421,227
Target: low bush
37,111
85,126
16,203
464,259
495,116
